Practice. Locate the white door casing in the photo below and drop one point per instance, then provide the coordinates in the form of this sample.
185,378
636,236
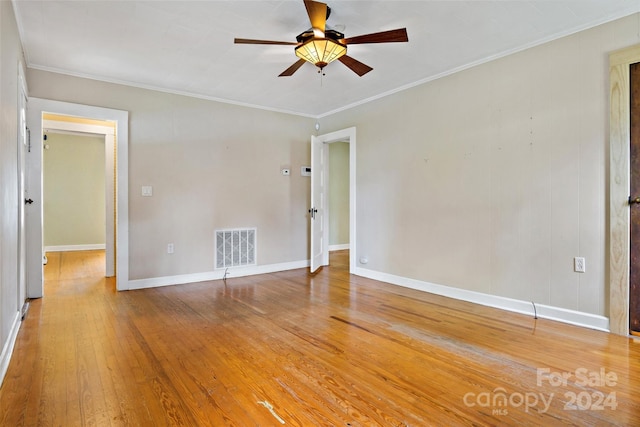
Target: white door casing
107,132
319,251
34,218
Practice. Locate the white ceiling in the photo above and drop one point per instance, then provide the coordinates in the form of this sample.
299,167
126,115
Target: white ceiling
187,46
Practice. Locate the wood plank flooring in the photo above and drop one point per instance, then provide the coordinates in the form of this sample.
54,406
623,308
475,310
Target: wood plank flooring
296,349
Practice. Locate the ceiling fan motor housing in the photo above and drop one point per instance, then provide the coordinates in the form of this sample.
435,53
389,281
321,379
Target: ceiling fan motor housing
329,34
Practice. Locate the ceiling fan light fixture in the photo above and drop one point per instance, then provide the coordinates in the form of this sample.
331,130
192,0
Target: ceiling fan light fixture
320,51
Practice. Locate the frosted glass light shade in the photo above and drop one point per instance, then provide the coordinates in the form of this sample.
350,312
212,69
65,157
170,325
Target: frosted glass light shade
321,51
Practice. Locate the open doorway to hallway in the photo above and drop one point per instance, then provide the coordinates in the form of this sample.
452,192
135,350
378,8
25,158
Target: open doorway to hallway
78,171
320,212
75,193
338,194
65,118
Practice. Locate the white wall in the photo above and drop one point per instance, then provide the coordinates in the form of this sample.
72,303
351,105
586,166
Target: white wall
211,166
10,57
74,191
494,178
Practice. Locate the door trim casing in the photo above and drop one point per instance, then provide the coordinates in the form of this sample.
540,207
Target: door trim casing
619,187
34,234
108,135
345,135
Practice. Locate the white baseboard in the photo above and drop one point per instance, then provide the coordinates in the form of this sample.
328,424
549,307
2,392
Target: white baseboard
518,306
67,248
215,275
7,347
338,247
577,318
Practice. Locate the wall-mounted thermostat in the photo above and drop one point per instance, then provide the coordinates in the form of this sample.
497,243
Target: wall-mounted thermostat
305,171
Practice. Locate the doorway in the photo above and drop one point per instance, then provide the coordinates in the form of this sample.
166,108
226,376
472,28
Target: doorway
319,242
75,193
38,119
63,133
338,196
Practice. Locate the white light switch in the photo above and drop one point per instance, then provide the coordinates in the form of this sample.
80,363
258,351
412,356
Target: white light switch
147,190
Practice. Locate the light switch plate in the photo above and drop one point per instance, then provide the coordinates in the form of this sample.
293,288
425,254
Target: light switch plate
147,190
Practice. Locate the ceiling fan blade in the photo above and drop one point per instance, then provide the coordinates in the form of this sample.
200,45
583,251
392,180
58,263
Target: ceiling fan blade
399,35
356,66
289,71
317,14
250,41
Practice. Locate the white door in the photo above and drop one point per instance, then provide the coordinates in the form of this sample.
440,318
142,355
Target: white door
318,200
22,194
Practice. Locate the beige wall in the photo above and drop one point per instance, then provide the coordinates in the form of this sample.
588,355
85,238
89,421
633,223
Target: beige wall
10,57
338,193
74,190
211,166
489,180
494,178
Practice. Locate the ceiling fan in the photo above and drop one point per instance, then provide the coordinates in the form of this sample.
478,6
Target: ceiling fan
321,45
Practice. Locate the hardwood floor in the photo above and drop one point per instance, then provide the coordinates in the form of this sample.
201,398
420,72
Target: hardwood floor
294,349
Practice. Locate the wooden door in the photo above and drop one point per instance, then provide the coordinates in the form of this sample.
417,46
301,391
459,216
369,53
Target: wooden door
634,200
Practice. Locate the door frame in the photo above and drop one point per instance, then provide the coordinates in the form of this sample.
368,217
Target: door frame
108,134
38,106
344,135
619,187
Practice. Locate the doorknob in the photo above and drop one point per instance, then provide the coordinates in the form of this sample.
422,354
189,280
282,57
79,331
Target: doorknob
634,201
28,201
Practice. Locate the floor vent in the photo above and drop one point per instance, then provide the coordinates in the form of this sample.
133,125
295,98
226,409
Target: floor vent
235,248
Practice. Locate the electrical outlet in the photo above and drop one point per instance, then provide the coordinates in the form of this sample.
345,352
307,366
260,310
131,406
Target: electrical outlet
579,265
170,248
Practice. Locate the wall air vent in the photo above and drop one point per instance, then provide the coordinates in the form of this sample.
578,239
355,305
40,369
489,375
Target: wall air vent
235,248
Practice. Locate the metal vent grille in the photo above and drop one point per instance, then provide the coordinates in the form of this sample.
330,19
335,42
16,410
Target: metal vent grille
235,248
